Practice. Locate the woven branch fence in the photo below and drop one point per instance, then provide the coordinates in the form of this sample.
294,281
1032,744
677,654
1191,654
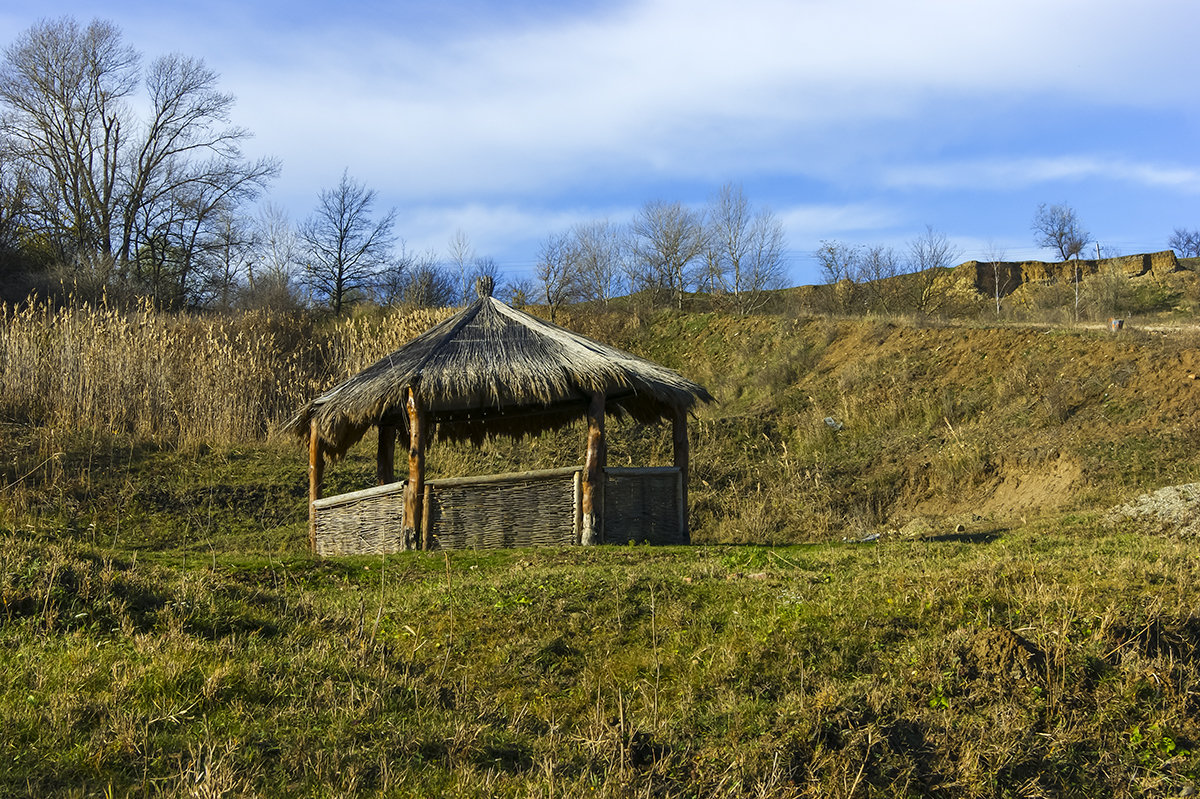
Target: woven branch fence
521,509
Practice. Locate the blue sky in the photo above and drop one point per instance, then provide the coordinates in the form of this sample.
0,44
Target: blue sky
856,120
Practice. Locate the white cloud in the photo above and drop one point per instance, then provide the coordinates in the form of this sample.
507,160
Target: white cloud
668,86
485,124
492,229
806,222
989,174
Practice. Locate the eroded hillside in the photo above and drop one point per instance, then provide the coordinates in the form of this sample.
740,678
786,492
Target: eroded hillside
825,423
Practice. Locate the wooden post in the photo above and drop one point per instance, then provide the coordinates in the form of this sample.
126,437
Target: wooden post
679,435
385,455
592,499
415,490
316,473
426,521
577,498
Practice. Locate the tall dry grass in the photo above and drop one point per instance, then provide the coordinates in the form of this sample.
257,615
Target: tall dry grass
181,378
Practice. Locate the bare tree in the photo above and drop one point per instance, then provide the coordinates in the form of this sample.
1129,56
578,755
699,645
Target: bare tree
1185,243
278,244
601,249
184,227
271,270
1001,274
108,186
1056,227
709,274
1109,292
839,270
667,238
461,254
14,201
225,263
392,278
65,89
18,261
838,260
558,271
929,255
415,279
344,245
485,266
876,271
745,248
881,279
428,285
932,250
188,153
520,292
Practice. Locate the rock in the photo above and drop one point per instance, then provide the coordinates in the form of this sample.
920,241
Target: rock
1174,510
917,527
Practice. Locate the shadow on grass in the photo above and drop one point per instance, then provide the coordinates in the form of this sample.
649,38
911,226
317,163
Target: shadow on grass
965,538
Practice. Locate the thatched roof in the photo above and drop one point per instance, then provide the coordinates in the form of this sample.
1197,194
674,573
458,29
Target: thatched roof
494,370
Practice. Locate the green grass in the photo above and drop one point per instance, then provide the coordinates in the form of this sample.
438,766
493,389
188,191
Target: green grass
831,669
163,631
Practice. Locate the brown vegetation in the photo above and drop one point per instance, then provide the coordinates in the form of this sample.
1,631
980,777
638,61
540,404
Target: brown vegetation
932,419
180,378
1002,636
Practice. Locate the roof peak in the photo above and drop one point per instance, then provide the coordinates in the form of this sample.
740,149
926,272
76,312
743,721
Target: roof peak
484,284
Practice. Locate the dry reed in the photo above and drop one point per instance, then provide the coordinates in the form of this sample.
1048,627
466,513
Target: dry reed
181,378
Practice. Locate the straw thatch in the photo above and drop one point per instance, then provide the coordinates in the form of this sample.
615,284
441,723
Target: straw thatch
494,370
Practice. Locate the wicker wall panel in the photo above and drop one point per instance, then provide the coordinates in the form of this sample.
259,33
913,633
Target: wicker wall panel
514,510
525,510
643,505
361,523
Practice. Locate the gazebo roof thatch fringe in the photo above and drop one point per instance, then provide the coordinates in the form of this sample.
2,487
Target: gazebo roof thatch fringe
494,370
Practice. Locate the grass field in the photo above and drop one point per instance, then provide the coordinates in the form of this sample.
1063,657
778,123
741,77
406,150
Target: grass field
1055,659
163,631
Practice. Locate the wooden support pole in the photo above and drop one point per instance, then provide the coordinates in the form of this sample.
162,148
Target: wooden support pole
316,474
415,491
577,498
385,455
426,520
679,436
592,493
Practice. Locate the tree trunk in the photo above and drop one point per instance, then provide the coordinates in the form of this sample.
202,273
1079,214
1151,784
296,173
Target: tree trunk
415,491
592,500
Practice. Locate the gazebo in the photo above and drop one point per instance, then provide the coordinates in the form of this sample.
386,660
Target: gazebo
493,370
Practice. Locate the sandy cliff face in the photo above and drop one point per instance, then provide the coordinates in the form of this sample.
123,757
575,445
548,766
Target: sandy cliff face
1011,275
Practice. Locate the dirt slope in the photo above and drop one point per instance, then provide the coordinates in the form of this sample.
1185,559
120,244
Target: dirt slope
1000,422
1053,418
